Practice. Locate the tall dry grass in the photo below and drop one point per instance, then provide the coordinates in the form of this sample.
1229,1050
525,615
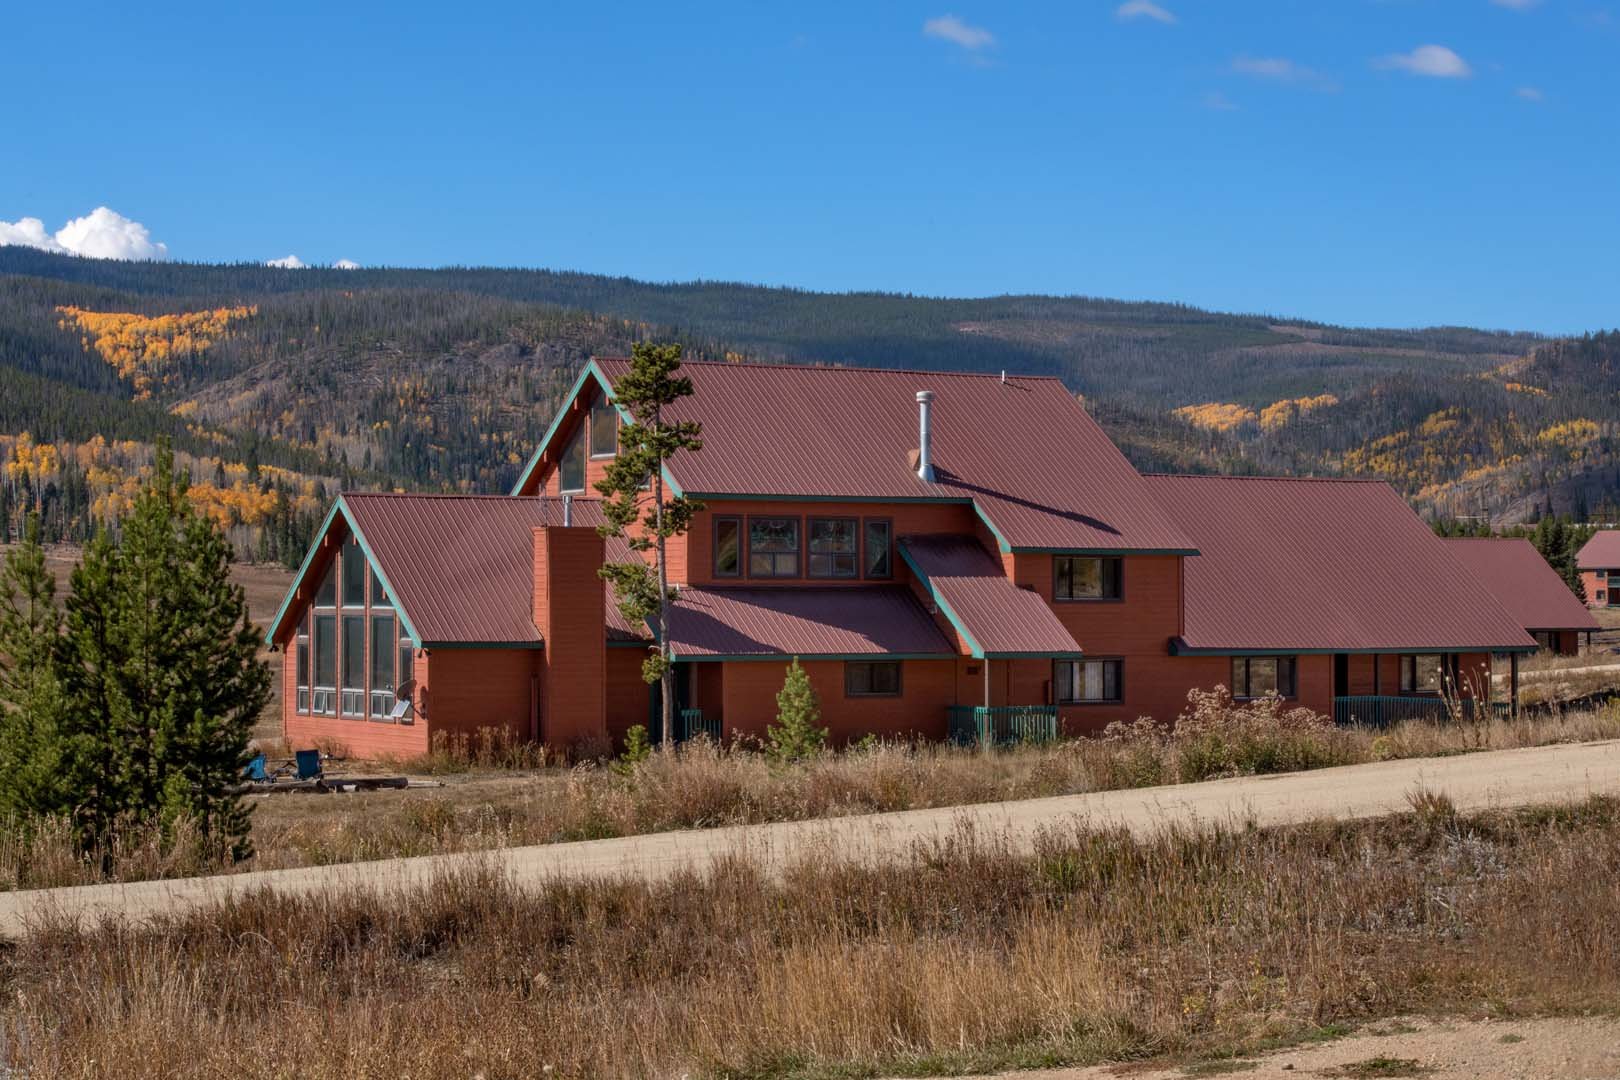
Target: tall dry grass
966,956
702,785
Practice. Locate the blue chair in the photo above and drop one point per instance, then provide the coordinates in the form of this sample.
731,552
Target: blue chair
309,764
254,770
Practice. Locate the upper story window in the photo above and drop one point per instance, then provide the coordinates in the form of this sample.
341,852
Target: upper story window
355,569
571,470
1083,682
604,428
1423,674
1085,577
879,548
773,547
1257,676
834,550
727,547
379,595
326,591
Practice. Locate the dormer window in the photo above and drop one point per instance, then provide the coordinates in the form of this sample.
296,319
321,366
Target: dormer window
604,429
834,548
773,547
571,472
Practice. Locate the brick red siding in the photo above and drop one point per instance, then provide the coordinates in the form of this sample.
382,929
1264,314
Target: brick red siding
749,692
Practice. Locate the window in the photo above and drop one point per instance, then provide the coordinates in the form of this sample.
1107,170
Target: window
1422,674
604,429
879,554
379,595
354,574
1084,682
1601,574
727,547
382,665
833,552
326,591
872,678
354,665
1085,578
407,668
323,695
1547,640
773,547
571,473
1601,596
303,671
1257,676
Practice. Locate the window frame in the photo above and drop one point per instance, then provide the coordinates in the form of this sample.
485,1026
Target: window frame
851,666
810,553
1408,674
727,519
357,712
1118,595
1244,693
599,407
797,552
575,444
323,696
302,669
866,561
1119,681
373,655
406,660
355,570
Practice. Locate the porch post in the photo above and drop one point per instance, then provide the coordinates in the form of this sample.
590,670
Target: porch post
987,726
1377,690
1513,685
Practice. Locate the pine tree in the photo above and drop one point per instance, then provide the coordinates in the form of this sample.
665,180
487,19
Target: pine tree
31,748
797,733
637,509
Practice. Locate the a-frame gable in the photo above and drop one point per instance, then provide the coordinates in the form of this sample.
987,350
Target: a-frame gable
528,481
297,596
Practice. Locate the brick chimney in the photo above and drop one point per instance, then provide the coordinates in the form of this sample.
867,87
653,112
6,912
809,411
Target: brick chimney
568,599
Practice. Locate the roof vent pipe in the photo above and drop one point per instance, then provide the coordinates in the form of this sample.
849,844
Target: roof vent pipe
925,453
568,511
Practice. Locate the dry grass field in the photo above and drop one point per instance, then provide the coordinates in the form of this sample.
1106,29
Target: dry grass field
966,957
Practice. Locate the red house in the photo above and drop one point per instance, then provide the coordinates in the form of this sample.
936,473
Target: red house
1599,564
1529,589
946,554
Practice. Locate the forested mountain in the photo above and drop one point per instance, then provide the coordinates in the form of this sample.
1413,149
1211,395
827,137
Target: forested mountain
278,386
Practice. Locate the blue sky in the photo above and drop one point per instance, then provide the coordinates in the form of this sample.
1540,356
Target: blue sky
1307,157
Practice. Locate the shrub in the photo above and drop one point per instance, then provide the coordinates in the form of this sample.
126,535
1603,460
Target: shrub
796,735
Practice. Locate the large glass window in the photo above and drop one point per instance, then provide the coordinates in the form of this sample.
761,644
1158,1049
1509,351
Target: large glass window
354,574
1257,676
571,473
303,672
1422,674
773,547
834,551
1080,682
872,678
383,655
324,692
1085,578
879,548
407,668
354,665
379,595
727,547
326,591
604,429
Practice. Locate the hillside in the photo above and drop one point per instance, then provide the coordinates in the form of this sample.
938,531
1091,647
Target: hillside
279,386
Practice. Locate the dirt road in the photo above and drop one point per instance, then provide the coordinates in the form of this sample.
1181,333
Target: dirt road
1473,781
1585,1048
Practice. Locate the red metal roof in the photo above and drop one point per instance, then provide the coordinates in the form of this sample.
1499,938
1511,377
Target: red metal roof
972,588
462,566
1037,466
1523,583
1323,565
759,622
1602,552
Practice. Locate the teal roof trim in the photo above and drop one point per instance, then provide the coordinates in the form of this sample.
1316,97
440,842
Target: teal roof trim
974,648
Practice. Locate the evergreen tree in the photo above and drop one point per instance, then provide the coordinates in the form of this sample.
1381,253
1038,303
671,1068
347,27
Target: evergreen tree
31,747
797,733
637,509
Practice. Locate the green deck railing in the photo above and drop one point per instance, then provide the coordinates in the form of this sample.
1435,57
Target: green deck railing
690,723
1380,711
975,725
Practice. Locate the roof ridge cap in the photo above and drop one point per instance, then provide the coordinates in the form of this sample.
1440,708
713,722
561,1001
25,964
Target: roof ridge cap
851,368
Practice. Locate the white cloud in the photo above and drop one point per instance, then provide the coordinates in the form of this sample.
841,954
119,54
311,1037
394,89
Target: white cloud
950,28
345,264
100,234
1143,9
1432,61
1281,69
1531,93
287,262
1219,102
